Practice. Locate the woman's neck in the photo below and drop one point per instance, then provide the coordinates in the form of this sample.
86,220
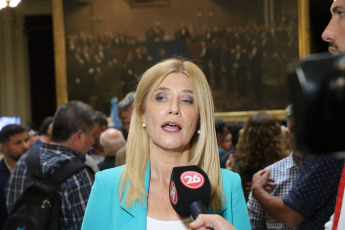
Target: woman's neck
162,163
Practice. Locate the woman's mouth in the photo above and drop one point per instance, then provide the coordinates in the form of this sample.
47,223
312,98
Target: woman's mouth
171,126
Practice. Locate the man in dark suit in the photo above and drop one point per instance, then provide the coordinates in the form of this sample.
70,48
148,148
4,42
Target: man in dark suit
112,140
14,143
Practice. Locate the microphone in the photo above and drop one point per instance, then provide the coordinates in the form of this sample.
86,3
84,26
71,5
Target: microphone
189,191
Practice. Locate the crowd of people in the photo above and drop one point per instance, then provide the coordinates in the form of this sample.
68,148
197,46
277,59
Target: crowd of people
168,122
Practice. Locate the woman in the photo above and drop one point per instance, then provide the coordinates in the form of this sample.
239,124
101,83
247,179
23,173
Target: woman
259,145
172,125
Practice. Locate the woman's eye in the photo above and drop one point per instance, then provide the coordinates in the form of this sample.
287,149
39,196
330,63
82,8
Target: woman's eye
188,100
160,97
340,13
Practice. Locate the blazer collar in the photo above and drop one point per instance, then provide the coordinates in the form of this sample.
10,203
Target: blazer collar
139,210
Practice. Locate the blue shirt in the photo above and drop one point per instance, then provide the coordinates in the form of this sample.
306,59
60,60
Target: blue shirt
37,144
107,212
314,191
283,172
73,192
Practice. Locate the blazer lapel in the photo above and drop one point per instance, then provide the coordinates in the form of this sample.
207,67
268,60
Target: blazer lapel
138,212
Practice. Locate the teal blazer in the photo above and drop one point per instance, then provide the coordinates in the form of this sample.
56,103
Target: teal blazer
105,211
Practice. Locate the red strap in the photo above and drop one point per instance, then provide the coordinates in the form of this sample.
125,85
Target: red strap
339,201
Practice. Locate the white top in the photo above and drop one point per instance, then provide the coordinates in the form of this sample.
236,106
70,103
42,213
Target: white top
153,224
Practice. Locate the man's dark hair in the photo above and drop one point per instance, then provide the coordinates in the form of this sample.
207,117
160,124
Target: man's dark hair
45,125
100,118
10,130
219,124
71,117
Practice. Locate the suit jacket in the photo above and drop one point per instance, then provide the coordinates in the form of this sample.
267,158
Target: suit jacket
107,163
121,156
105,211
4,176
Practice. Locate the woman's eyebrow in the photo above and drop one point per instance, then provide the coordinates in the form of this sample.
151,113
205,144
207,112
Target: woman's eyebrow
167,89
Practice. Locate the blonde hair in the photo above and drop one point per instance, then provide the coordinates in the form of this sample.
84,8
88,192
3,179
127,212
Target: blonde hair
203,151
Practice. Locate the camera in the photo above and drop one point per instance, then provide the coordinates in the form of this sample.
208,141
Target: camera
317,92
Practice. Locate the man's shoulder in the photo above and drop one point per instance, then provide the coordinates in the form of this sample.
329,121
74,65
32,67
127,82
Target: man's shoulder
324,162
4,174
121,151
3,167
286,161
52,157
121,156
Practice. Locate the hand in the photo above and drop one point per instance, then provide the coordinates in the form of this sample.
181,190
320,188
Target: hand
261,180
214,221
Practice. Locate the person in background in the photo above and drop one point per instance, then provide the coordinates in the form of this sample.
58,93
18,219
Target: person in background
73,135
33,136
312,199
226,145
228,148
283,173
111,140
14,143
286,150
124,109
335,36
95,154
172,125
310,202
45,132
259,145
101,124
222,131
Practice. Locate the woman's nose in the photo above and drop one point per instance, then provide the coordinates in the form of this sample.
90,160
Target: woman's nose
174,108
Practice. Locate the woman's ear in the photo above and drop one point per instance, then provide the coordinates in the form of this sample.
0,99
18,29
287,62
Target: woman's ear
198,126
140,110
142,118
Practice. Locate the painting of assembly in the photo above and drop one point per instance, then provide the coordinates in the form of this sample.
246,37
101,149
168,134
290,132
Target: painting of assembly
109,44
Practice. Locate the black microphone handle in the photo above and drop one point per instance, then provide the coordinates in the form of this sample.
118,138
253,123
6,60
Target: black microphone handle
196,208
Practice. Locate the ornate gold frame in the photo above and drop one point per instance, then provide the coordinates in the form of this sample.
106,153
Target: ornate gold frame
133,3
60,57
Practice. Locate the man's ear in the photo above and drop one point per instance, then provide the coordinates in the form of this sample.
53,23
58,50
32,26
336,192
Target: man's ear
78,137
4,148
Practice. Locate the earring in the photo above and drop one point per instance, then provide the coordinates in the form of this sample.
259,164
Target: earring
199,131
143,124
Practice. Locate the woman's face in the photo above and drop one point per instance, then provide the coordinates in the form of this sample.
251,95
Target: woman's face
226,144
171,114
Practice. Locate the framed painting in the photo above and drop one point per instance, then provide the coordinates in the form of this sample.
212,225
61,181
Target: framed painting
148,3
103,47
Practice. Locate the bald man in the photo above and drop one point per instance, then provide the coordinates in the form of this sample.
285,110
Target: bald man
112,140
